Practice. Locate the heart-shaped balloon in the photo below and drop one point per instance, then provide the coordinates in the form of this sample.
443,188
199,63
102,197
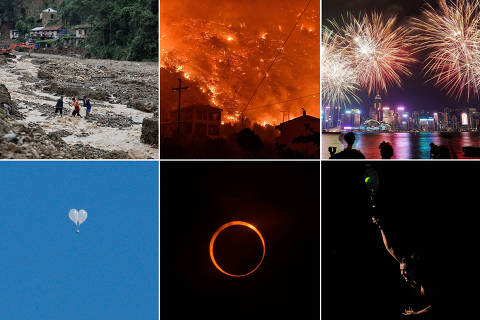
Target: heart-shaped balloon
78,217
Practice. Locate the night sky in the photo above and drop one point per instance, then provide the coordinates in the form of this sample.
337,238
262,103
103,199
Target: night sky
430,208
280,199
415,94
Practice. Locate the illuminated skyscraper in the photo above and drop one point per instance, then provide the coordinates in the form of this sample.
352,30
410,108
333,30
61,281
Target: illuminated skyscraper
377,105
356,117
386,115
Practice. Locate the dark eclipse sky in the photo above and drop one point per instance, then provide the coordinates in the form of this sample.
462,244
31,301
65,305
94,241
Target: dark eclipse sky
414,94
430,208
282,199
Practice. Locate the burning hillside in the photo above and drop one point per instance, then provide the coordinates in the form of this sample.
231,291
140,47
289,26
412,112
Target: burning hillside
222,52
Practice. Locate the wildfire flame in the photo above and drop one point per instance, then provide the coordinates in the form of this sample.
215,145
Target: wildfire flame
225,55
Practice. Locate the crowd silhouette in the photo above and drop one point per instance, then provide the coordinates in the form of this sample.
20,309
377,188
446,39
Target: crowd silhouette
386,150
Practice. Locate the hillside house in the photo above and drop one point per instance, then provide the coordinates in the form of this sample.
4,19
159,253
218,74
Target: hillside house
14,34
42,33
196,120
302,126
48,15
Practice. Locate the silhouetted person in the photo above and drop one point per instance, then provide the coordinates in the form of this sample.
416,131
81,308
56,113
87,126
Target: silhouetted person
415,303
386,150
59,106
86,104
348,152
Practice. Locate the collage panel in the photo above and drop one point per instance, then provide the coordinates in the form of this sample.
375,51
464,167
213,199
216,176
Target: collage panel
398,241
79,79
79,240
240,240
240,79
400,79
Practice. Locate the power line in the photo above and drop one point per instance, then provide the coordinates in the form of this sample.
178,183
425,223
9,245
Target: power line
277,55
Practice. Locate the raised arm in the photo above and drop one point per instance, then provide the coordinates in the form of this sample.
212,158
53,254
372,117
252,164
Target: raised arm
410,311
385,240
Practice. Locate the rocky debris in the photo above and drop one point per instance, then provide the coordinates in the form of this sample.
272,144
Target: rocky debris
112,120
75,90
3,59
58,75
31,142
142,106
10,137
5,97
59,134
132,84
150,131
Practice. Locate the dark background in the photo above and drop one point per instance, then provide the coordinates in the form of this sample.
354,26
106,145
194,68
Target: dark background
415,94
429,208
280,199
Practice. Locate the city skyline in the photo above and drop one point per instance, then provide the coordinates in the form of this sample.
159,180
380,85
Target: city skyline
415,91
380,116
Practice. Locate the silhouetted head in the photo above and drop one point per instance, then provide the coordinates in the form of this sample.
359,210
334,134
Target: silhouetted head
349,138
61,97
408,269
386,150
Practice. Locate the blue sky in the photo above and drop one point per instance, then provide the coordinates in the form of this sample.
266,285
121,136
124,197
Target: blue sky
107,271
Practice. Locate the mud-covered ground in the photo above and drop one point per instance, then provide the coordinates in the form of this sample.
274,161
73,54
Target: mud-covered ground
122,94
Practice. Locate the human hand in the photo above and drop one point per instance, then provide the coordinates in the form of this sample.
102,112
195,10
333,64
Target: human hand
332,150
376,221
408,312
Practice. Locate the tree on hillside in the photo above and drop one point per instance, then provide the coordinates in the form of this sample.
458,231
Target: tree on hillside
9,10
120,29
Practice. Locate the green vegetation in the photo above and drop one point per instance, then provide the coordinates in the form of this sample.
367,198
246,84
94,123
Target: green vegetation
120,29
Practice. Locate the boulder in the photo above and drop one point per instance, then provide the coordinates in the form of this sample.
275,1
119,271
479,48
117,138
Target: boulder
150,131
5,97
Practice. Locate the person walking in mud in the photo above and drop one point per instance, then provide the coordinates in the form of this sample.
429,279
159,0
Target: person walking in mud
59,106
76,106
86,104
415,303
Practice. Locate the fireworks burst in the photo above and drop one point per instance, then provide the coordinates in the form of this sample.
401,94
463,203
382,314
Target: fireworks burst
338,79
451,35
377,49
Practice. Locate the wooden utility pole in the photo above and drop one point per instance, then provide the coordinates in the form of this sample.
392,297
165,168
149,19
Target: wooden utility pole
179,96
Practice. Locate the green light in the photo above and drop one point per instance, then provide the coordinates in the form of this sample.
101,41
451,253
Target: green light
367,179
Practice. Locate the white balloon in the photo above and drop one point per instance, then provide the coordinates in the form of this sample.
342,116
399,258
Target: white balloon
82,216
78,217
73,214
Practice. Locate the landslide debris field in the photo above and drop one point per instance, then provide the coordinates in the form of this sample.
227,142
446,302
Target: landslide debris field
123,94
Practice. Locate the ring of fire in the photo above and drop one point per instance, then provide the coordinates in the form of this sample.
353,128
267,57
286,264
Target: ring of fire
229,224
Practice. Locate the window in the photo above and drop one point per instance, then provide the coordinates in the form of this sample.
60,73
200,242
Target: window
214,116
201,115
